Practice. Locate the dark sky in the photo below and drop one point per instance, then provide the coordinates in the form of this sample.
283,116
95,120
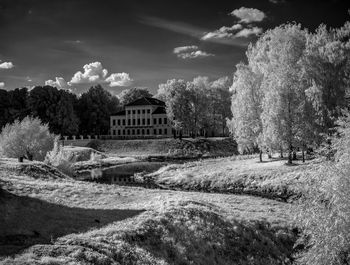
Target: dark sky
136,41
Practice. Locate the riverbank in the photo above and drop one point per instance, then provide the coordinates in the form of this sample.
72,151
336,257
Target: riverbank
103,224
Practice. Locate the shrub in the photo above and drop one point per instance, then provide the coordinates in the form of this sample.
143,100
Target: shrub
96,157
325,214
28,138
95,144
63,161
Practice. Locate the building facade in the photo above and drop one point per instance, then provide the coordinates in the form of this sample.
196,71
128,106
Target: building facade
144,117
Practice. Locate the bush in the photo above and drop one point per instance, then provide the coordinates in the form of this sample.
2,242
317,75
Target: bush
28,138
95,144
61,160
325,214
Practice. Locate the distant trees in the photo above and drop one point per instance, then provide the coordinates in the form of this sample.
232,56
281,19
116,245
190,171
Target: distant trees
292,88
129,95
28,138
55,107
199,106
63,111
94,110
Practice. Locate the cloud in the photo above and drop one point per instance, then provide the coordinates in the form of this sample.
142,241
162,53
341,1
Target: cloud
2,85
119,79
247,32
6,65
60,83
223,32
93,73
248,15
190,52
233,32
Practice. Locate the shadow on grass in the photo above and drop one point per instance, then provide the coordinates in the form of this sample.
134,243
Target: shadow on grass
26,221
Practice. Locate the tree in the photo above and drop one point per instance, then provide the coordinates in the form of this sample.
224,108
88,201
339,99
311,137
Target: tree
326,64
94,110
246,124
27,138
129,95
220,98
277,55
177,102
55,107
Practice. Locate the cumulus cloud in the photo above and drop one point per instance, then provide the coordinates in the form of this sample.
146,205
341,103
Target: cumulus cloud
248,15
2,84
119,79
190,52
93,73
59,83
6,65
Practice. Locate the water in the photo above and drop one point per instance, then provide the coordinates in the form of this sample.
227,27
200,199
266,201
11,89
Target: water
125,174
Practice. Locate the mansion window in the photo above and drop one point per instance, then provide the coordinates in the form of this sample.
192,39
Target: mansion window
138,122
113,122
114,132
134,112
148,121
143,111
138,111
129,111
160,120
143,132
165,131
129,122
147,131
138,131
160,131
143,121
118,122
123,122
148,111
133,121
165,120
155,131
154,121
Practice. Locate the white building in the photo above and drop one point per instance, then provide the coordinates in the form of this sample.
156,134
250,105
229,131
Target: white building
144,117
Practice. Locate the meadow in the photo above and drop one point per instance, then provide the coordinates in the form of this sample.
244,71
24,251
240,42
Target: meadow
55,219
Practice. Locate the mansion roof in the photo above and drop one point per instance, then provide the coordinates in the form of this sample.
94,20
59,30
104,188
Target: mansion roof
146,101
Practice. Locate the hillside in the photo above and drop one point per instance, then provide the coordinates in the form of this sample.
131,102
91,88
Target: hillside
78,222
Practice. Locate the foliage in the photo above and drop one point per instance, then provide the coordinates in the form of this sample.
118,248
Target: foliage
55,107
27,138
94,110
325,210
95,144
13,105
198,105
292,89
60,159
129,95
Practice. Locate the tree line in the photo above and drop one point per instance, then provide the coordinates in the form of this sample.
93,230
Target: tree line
292,89
63,111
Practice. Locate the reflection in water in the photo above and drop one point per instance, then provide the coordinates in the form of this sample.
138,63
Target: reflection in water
125,174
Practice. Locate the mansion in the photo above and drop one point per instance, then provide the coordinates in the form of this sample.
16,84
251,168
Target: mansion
144,117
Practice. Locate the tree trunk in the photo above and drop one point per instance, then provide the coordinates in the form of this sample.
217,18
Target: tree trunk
180,135
269,154
260,155
294,155
290,154
281,153
303,155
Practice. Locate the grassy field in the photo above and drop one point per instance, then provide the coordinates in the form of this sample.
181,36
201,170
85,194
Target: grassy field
272,178
73,222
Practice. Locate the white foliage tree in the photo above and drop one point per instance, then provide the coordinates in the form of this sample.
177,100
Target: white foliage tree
28,138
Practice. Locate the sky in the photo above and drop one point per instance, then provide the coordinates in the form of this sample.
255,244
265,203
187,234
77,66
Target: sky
74,44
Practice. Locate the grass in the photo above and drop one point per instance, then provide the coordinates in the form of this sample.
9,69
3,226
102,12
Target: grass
272,179
161,226
172,147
